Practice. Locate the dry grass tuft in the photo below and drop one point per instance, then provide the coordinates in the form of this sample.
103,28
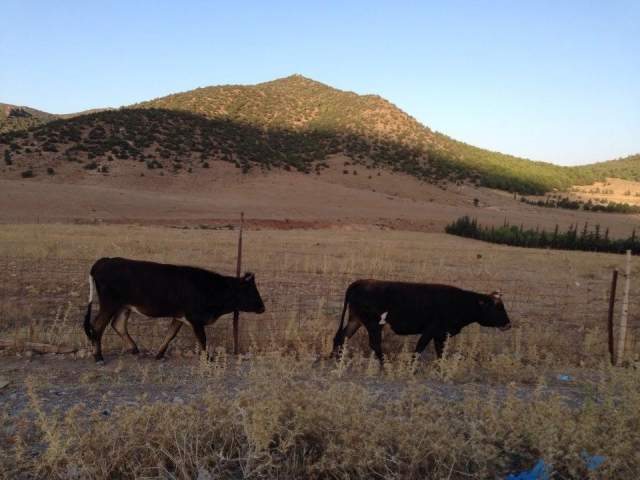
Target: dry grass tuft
294,418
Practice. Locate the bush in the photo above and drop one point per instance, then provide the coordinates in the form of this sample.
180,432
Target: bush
50,171
153,164
28,174
91,166
7,158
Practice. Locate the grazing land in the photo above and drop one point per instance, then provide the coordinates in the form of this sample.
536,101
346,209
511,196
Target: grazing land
342,196
336,187
496,403
611,190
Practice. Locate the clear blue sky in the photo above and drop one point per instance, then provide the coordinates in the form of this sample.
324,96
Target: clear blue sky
548,80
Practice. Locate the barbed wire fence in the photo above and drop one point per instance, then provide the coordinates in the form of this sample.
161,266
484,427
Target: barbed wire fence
45,299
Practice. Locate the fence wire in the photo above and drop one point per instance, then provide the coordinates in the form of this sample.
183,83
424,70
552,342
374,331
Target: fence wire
304,302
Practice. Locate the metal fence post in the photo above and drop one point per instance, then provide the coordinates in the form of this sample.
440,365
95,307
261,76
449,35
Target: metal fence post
236,314
612,302
625,310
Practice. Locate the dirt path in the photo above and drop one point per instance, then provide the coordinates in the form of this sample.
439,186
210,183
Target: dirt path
62,383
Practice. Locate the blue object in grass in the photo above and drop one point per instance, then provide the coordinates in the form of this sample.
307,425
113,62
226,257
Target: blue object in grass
593,461
564,378
540,471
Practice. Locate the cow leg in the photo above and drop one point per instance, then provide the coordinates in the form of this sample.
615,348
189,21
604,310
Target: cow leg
201,336
174,328
424,340
98,326
353,325
119,324
439,342
375,338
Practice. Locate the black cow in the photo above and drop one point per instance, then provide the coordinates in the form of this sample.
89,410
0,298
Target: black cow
188,294
429,310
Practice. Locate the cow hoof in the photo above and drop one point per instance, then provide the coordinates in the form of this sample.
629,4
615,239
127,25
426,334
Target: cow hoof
134,351
160,356
100,363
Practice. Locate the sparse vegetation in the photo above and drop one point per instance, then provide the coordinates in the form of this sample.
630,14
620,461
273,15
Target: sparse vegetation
28,174
290,420
14,118
293,123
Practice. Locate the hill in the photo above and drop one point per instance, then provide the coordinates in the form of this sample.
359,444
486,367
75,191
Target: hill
627,168
13,117
290,123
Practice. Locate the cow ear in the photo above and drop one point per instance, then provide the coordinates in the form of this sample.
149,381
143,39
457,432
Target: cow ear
248,276
496,297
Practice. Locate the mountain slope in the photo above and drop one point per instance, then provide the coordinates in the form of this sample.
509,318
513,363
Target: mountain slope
13,117
627,168
290,123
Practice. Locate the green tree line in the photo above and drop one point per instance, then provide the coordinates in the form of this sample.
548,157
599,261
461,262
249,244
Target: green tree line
575,238
568,204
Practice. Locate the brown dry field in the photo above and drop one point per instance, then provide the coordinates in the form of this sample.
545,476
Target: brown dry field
611,190
557,299
281,409
60,411
215,196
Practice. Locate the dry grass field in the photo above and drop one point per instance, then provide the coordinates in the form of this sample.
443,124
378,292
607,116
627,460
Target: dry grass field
343,196
612,190
496,402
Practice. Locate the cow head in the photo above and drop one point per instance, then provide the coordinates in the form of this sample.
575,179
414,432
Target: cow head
249,298
493,313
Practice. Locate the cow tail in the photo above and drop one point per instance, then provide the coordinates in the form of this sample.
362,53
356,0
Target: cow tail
339,337
341,325
88,328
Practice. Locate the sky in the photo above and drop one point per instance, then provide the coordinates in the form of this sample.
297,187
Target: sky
556,81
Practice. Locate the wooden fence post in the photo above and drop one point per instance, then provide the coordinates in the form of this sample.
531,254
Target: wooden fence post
625,310
612,302
236,314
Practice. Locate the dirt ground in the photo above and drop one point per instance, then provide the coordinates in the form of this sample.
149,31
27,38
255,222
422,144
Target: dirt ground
334,199
64,382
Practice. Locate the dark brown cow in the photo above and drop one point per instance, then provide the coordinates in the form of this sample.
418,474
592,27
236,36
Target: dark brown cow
429,310
188,294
